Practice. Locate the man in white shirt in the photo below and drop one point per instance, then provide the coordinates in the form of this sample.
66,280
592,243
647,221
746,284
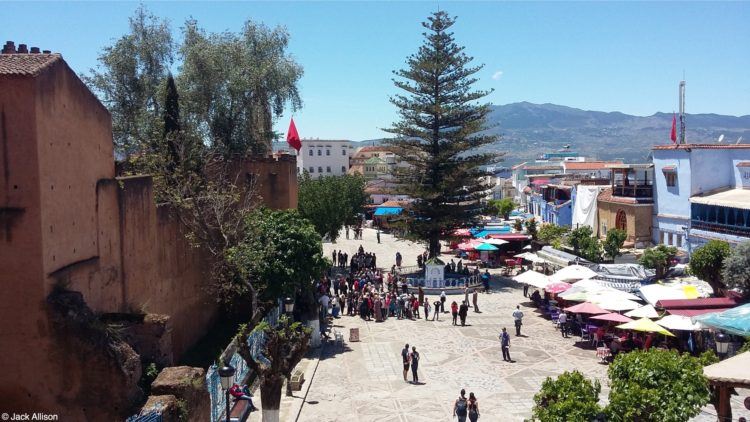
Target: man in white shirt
563,321
517,317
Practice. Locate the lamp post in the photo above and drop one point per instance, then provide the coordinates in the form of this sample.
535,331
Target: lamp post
288,306
722,343
226,374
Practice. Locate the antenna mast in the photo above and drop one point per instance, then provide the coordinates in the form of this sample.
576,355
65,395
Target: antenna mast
682,112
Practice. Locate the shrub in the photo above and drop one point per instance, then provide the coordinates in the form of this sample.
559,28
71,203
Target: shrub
569,397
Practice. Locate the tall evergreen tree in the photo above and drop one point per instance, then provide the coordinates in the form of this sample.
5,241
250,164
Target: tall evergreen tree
439,134
171,120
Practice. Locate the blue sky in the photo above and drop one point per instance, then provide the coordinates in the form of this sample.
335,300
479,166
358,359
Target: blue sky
605,56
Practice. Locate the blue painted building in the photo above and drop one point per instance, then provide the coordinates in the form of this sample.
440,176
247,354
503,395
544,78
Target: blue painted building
702,192
552,204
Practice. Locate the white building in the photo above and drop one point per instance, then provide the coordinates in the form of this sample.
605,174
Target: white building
321,157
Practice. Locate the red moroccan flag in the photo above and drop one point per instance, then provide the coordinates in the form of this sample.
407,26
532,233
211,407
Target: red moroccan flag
292,137
673,135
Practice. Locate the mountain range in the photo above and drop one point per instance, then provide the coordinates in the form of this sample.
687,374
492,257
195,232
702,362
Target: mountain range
528,130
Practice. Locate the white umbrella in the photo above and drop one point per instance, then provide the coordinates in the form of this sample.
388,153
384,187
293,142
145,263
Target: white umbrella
679,322
647,311
573,272
527,248
496,242
529,257
612,302
590,286
533,278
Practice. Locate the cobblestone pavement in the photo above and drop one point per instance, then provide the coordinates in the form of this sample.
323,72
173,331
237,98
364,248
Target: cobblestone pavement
364,381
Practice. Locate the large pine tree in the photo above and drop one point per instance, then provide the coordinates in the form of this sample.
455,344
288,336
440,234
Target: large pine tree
439,134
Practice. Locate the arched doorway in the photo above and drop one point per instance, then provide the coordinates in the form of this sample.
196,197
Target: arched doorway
621,221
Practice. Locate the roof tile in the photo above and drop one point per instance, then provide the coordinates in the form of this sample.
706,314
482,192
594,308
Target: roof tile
26,64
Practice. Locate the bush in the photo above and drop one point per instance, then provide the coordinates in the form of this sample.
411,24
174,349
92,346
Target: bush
659,258
570,397
614,241
656,385
737,268
531,228
585,245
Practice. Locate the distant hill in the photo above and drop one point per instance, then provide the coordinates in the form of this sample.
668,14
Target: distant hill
528,130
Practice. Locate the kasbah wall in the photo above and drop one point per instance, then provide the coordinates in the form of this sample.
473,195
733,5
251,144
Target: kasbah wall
65,219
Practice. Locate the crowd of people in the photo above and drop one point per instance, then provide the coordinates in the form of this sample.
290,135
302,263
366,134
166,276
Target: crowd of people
360,261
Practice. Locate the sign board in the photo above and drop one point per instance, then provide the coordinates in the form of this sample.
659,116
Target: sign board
354,334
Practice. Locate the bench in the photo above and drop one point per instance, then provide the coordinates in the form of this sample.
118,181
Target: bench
298,378
240,411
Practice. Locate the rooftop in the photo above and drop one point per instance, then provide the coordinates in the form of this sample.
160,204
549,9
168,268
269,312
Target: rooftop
24,63
701,146
589,165
727,197
630,166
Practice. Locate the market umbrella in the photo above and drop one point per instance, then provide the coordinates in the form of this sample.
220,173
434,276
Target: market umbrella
645,325
612,302
647,311
496,242
613,317
735,320
679,322
586,308
532,278
461,232
529,257
573,272
469,245
558,287
485,247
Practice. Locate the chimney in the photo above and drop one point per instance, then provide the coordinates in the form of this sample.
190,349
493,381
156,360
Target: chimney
9,48
23,49
34,50
46,51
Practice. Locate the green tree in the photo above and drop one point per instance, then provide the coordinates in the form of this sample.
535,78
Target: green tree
440,133
659,258
130,77
518,225
707,262
280,254
332,201
552,233
656,385
283,348
736,270
235,84
531,228
502,207
569,397
580,237
613,242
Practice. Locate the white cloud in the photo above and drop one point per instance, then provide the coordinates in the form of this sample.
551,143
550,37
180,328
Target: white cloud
497,75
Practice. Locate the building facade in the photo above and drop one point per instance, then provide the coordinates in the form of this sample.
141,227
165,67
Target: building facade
627,204
702,193
320,157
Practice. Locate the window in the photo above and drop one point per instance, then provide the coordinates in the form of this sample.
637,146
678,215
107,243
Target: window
621,221
312,169
311,152
328,152
343,151
320,152
320,169
671,179
669,239
328,169
343,169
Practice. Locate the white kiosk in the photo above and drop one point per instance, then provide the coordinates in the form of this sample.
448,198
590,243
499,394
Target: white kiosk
434,273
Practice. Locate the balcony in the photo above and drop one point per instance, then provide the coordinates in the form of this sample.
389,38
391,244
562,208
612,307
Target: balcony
642,191
733,230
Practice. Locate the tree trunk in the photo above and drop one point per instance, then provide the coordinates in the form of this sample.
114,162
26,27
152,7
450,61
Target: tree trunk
434,245
270,396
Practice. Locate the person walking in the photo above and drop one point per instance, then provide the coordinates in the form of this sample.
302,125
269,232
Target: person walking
454,312
475,299
414,364
463,310
505,345
563,321
398,259
525,290
426,309
486,280
377,234
473,408
405,357
517,317
443,298
461,407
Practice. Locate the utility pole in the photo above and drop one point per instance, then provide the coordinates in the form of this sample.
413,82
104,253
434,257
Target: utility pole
682,112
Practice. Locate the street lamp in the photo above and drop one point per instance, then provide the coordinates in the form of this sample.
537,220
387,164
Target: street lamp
226,374
288,305
722,343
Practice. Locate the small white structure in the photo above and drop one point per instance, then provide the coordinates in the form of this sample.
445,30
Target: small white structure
434,273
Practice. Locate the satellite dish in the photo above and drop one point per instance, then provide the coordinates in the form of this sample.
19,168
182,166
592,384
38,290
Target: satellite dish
738,140
721,138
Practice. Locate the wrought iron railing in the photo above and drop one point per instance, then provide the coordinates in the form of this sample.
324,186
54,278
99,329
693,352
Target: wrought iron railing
741,231
634,191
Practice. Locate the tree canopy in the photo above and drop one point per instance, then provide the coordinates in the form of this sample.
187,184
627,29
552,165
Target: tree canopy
439,132
501,207
569,397
659,258
736,270
707,262
331,202
614,241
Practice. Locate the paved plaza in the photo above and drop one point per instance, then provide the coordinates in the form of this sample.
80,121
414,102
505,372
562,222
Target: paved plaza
364,381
